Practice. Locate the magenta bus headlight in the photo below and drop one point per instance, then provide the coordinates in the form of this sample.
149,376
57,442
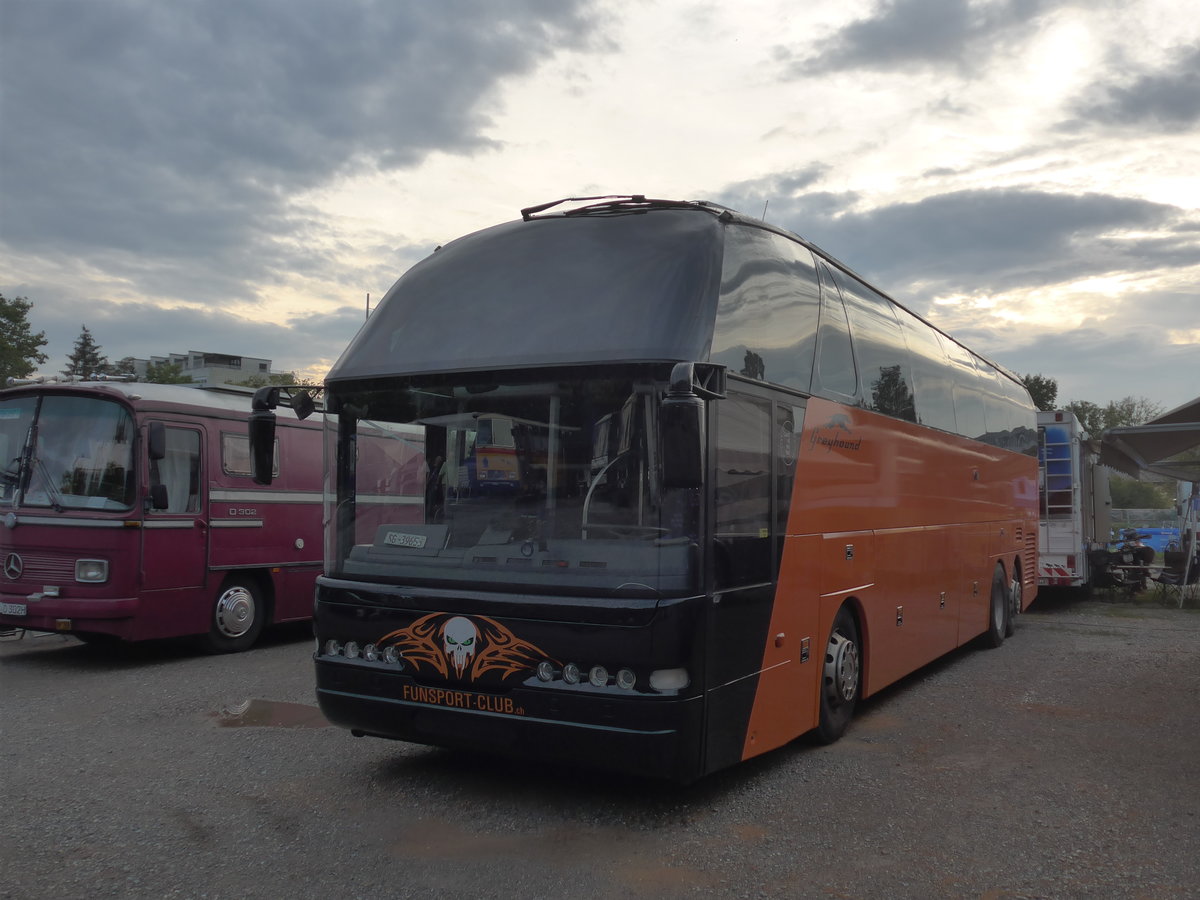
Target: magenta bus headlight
91,571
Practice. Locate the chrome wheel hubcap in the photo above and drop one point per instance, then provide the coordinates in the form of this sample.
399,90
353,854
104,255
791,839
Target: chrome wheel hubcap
235,612
841,669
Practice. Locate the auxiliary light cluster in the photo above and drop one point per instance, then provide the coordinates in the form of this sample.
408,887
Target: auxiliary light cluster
596,676
625,679
570,674
353,650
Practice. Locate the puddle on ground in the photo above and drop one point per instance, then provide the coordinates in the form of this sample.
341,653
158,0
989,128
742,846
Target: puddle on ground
269,714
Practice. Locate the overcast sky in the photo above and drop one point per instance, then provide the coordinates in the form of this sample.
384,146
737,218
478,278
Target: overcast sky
236,176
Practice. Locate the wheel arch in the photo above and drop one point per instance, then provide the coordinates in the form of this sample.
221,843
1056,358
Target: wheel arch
854,604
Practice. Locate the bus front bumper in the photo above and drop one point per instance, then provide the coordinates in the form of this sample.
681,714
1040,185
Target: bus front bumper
47,613
658,737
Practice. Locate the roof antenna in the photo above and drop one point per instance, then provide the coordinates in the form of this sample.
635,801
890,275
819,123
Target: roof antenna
765,204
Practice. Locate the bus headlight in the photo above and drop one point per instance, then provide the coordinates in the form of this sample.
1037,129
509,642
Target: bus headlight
91,571
669,679
598,676
571,673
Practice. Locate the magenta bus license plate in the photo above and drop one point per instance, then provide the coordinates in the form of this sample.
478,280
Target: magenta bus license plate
12,609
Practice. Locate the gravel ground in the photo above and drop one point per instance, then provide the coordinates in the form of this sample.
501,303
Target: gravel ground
1063,764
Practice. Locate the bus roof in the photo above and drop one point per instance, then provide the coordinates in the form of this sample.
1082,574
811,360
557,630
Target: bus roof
623,280
146,396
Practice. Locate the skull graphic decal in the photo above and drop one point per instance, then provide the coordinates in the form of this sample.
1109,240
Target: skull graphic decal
464,648
458,640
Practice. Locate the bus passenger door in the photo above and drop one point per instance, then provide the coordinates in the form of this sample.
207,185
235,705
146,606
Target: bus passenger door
175,535
743,564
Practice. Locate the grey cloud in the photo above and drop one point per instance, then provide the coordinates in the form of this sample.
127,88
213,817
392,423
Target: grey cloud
902,34
144,330
788,187
180,131
1167,100
1097,363
993,240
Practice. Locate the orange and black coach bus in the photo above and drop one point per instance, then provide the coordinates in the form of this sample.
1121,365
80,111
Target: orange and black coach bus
810,492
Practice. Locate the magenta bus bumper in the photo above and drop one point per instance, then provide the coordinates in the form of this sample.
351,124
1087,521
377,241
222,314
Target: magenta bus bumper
86,615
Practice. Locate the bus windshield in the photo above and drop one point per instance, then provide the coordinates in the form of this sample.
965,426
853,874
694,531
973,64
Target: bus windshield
534,484
66,453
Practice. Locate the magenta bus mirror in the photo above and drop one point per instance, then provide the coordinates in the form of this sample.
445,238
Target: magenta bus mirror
261,429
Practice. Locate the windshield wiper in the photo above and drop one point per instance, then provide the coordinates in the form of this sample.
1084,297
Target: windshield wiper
616,203
51,490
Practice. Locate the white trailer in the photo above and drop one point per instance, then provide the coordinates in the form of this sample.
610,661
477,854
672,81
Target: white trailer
1074,500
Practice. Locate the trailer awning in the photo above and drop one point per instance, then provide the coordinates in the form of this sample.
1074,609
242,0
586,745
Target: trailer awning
1148,448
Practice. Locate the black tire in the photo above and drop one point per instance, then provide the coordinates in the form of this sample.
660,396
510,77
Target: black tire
236,618
841,677
1015,592
999,617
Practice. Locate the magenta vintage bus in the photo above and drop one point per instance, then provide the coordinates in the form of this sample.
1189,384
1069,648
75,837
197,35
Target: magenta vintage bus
127,512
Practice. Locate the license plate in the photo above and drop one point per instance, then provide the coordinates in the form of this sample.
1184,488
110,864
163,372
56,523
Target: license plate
12,609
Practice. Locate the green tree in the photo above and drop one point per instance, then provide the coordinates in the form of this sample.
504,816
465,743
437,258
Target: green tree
166,373
1129,493
280,378
1090,416
1042,389
20,348
1117,414
86,359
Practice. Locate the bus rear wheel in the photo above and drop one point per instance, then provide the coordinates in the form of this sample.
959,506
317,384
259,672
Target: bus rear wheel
841,677
1014,604
999,611
236,618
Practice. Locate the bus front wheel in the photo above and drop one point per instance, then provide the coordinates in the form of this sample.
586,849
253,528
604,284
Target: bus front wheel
841,677
999,612
236,618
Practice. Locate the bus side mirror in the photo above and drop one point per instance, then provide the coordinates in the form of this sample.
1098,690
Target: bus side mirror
681,420
261,428
262,446
303,404
157,439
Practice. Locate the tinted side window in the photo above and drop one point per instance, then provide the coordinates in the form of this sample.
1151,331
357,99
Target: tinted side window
768,308
968,398
835,373
933,379
1011,421
879,346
